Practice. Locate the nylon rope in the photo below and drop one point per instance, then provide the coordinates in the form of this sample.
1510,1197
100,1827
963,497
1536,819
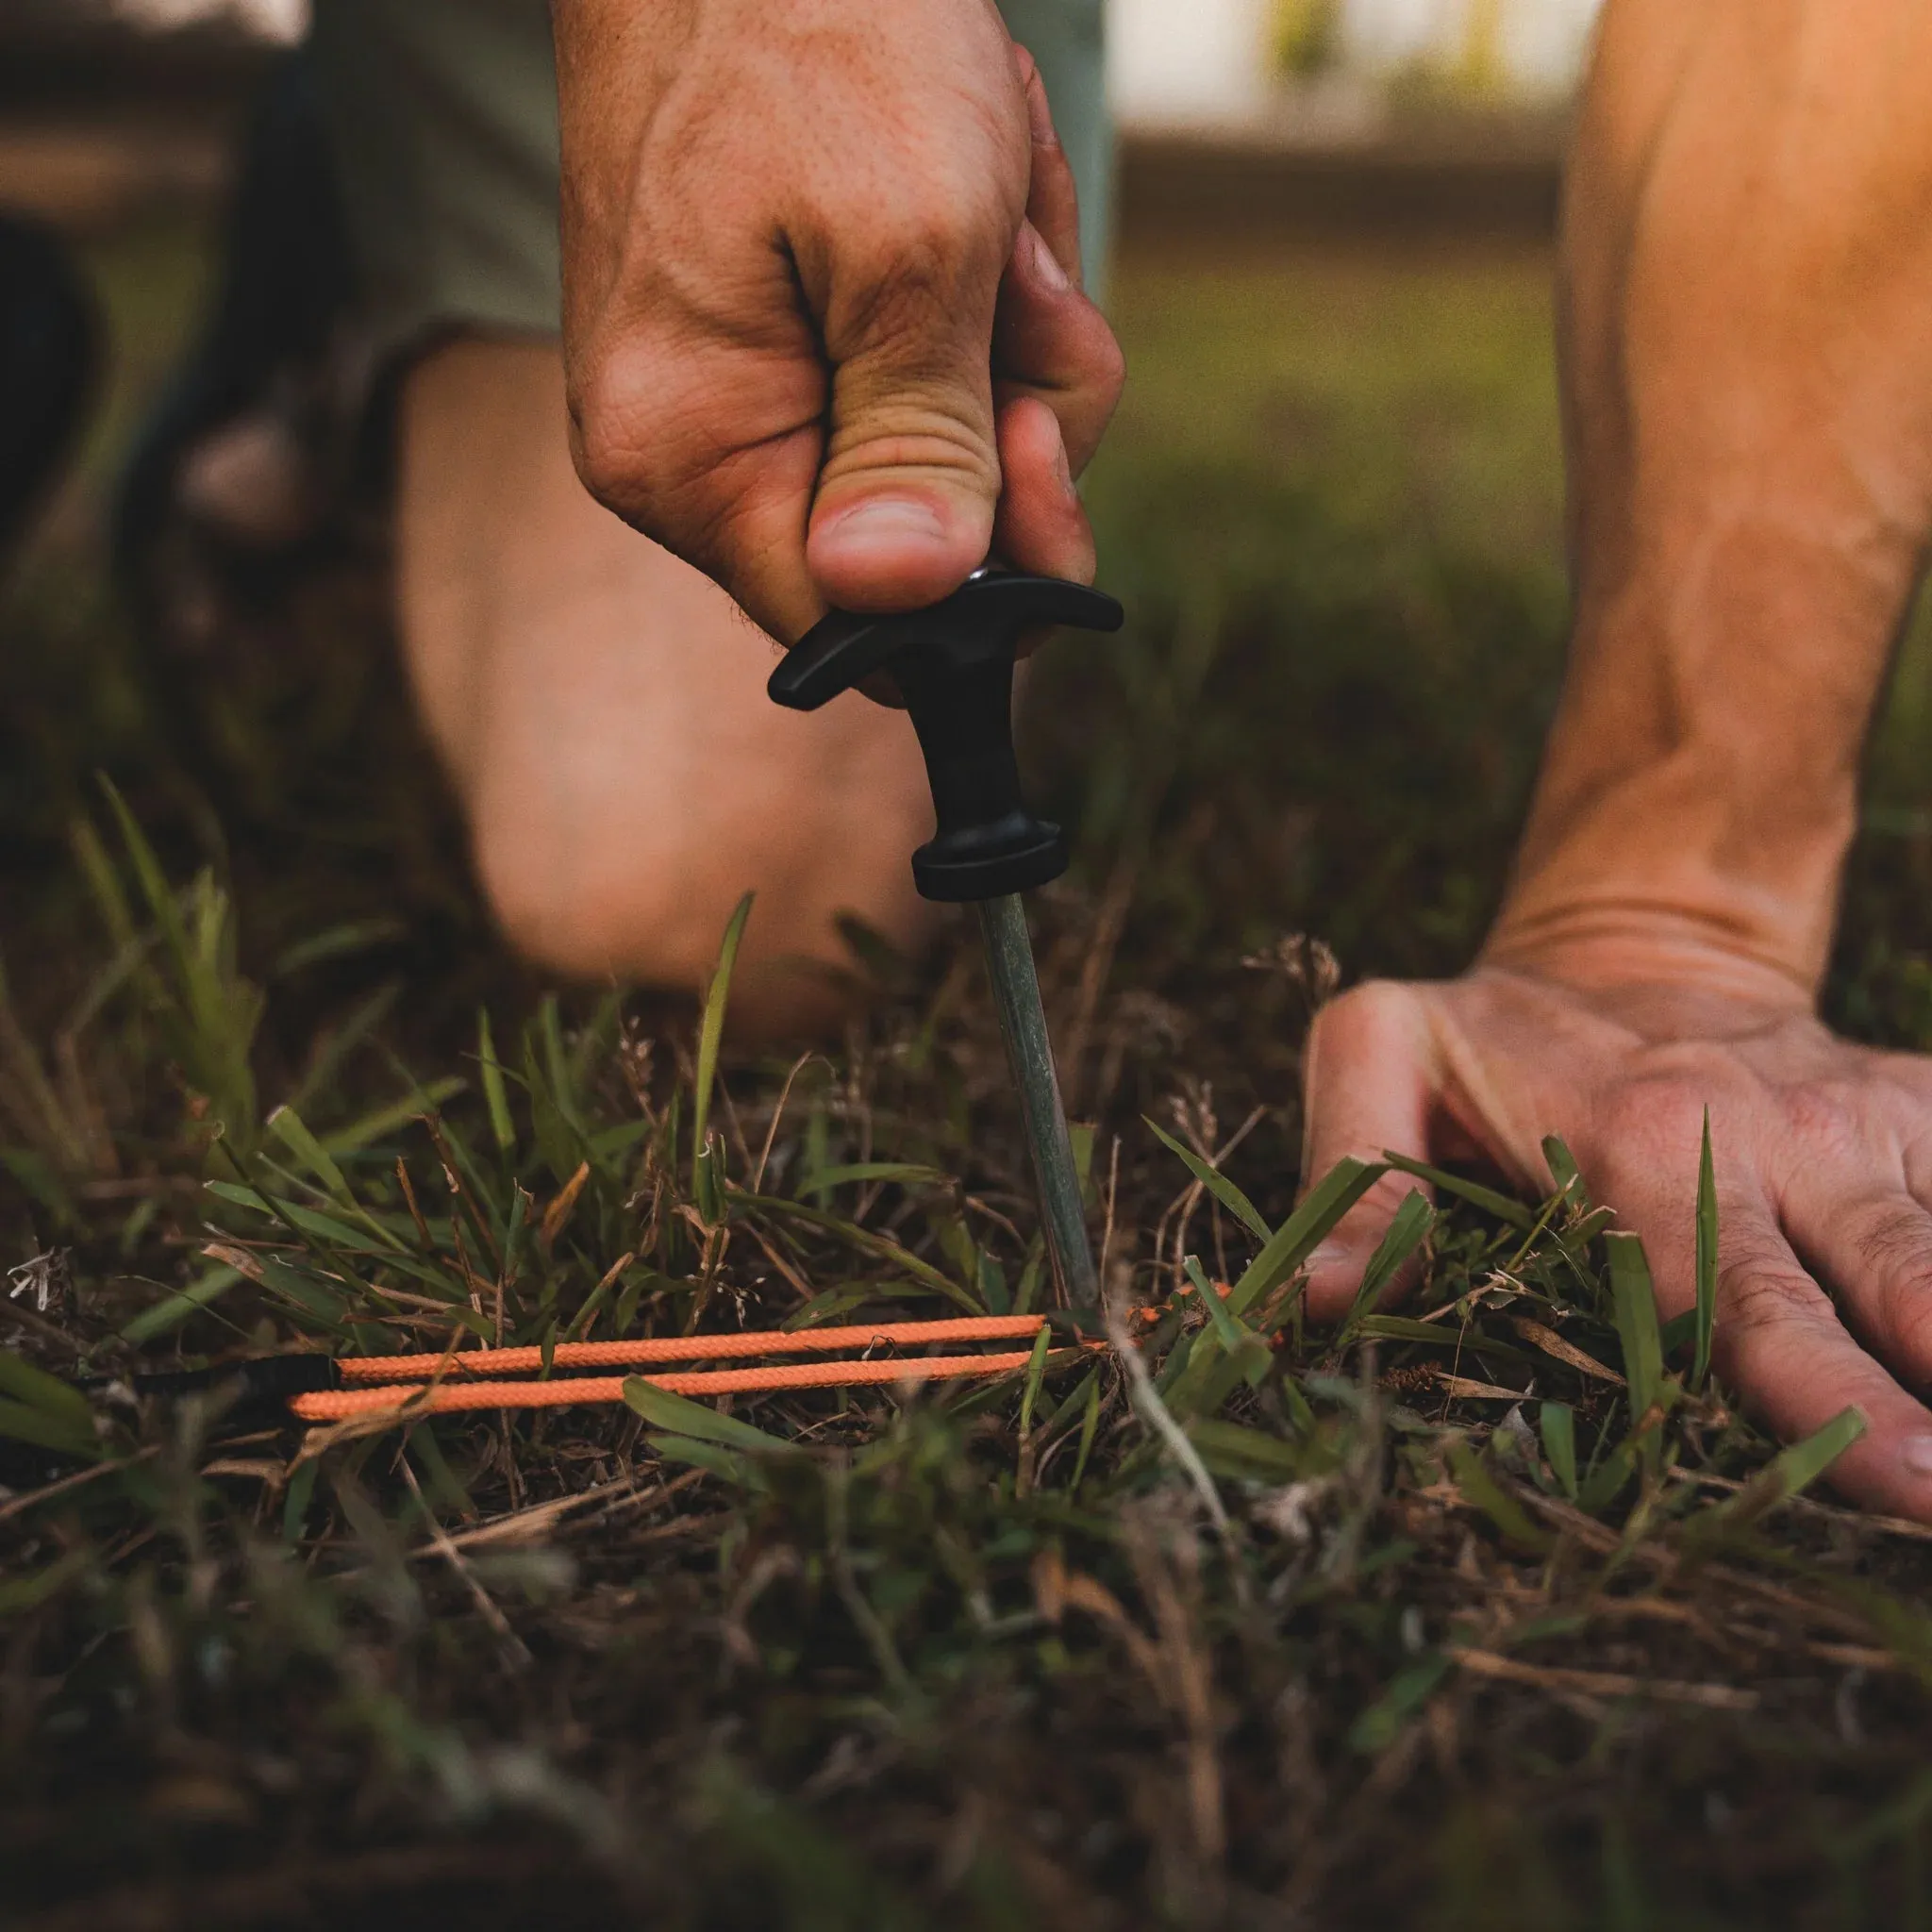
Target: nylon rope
683,1348
408,1400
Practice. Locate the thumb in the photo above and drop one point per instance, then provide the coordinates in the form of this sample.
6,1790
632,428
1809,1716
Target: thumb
912,475
1370,1084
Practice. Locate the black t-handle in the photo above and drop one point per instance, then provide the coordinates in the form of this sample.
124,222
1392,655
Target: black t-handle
952,664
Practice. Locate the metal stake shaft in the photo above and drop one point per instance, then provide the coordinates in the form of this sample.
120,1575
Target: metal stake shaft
1029,1053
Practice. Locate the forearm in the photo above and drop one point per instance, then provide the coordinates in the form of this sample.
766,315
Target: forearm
1747,401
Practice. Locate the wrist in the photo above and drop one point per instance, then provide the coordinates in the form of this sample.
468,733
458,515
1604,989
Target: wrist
1702,840
1600,945
1663,878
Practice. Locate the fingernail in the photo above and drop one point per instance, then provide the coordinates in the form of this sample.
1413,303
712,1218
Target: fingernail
1917,1454
1044,263
889,516
1063,472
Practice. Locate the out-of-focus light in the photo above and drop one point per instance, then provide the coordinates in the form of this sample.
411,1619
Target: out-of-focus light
282,22
1235,60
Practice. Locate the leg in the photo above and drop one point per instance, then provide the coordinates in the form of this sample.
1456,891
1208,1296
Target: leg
601,707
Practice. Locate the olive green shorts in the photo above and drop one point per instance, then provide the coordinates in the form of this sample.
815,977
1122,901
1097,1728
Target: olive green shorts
444,118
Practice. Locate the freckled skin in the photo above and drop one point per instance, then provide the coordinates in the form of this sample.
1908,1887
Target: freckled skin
802,281
1746,271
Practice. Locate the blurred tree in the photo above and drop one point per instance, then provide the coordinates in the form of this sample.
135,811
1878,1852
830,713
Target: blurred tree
1307,37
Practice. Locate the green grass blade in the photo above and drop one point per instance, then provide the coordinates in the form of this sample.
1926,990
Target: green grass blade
679,1416
732,1464
1514,1213
171,1314
711,1036
1227,1326
33,1386
1089,1428
1239,1454
831,1304
1557,1421
1404,1236
905,1171
338,942
295,1504
1605,1483
495,1093
19,1595
372,1239
1792,1469
1378,1726
1216,1183
384,1121
1303,1230
148,873
1568,1177
38,1176
1482,1491
868,1243
23,1422
289,1129
1707,1259
1036,1374
214,1012
320,1077
103,884
1634,1299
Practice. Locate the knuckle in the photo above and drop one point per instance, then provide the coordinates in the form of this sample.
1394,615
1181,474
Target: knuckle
1893,1251
1906,1313
1373,1006
1655,1118
655,453
1760,1287
1826,1116
606,400
920,252
1896,1246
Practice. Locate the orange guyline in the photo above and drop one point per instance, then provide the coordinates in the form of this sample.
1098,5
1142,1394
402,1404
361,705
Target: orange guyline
410,1400
423,1384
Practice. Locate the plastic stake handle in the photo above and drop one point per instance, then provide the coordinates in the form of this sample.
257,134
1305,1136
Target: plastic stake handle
952,664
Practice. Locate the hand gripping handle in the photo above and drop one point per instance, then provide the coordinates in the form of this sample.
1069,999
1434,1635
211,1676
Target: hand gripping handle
952,664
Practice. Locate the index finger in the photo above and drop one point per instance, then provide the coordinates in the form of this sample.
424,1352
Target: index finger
1052,202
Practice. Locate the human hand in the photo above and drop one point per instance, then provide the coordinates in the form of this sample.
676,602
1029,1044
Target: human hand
823,319
1822,1151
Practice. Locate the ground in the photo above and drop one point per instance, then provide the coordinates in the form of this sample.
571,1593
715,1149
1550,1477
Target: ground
1501,1617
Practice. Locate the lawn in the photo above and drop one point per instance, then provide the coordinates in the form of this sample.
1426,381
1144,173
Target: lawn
1486,1609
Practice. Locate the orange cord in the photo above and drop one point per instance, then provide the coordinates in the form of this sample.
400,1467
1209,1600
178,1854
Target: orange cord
682,1348
419,1384
409,1401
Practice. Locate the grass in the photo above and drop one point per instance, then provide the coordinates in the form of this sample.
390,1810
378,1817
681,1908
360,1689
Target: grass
1483,1610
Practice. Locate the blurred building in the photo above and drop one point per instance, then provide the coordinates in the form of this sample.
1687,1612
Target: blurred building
282,22
1240,62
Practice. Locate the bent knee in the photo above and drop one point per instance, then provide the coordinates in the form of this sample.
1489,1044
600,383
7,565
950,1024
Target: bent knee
652,912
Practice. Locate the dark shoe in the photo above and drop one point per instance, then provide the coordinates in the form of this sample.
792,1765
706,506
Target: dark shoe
247,447
50,353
